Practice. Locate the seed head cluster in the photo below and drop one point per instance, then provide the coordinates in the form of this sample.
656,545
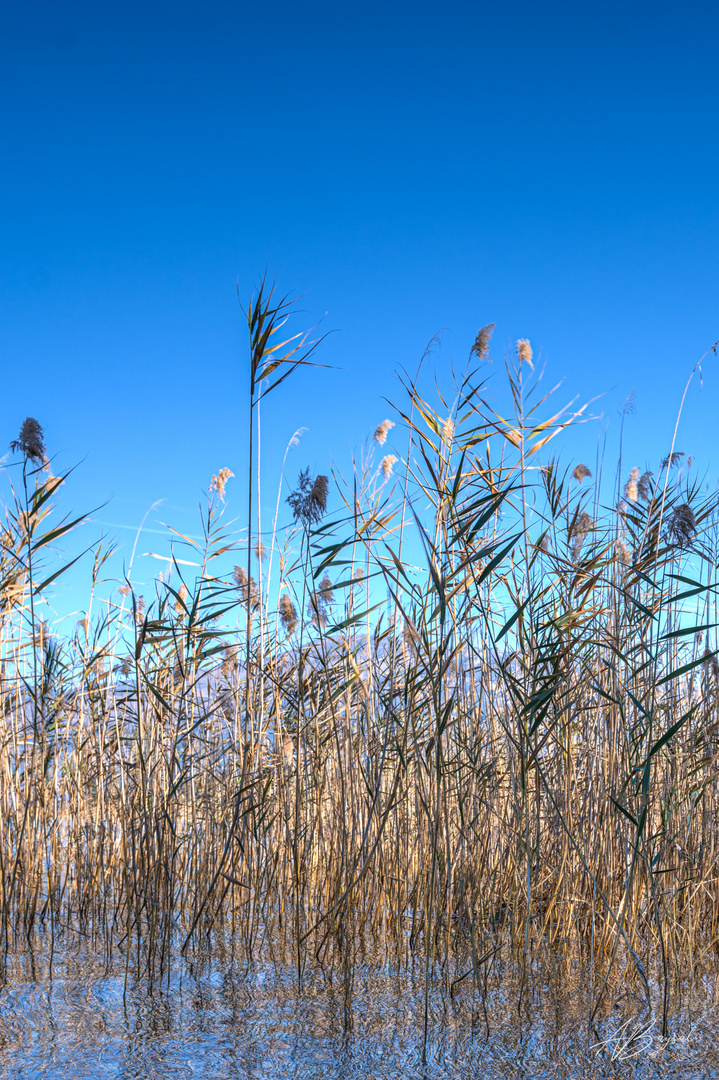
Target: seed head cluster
480,349
320,602
288,614
383,430
644,487
524,351
308,501
387,464
672,461
581,472
631,488
240,578
582,525
681,526
217,484
30,441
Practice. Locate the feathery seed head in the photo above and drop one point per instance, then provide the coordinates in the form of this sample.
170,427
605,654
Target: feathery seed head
319,603
309,500
182,596
681,526
622,552
218,482
673,460
288,614
524,352
229,661
448,431
327,590
386,465
380,435
239,576
318,496
30,441
582,525
480,349
411,636
631,488
581,472
644,487
317,611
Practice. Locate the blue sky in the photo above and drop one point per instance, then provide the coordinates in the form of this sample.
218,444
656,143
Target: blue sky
407,168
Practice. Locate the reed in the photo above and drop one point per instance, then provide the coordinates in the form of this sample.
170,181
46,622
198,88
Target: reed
472,715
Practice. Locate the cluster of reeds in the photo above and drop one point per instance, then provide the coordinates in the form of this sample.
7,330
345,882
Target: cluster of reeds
465,705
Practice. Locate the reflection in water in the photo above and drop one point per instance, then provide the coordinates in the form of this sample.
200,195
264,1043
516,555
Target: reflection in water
215,1022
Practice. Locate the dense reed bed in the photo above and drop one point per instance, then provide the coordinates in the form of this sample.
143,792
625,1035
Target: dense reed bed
463,708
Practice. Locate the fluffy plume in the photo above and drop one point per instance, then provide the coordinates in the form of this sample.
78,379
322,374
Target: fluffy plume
30,441
631,488
681,525
622,552
288,614
318,496
327,590
411,636
317,611
582,525
448,431
260,551
673,460
380,435
320,601
386,465
182,596
229,662
644,487
524,352
309,500
240,578
480,349
581,472
218,482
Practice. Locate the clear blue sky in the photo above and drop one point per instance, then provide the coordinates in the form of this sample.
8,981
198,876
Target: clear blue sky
406,167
